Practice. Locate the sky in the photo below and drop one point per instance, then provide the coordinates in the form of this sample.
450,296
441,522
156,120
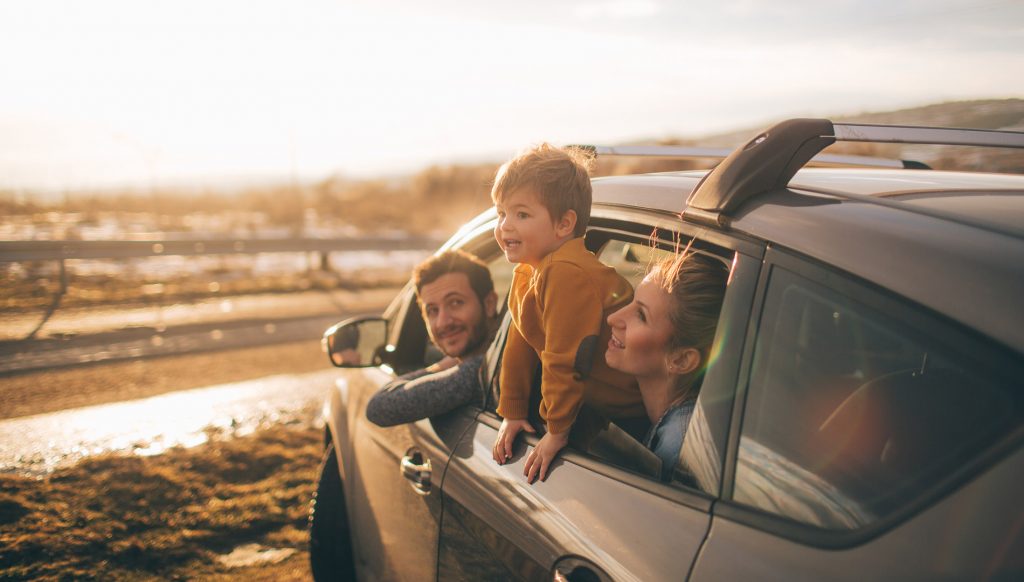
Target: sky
147,94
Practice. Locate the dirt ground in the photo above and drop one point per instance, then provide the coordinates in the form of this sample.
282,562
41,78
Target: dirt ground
234,509
175,516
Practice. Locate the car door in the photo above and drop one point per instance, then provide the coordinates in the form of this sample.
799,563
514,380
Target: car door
394,473
877,441
602,514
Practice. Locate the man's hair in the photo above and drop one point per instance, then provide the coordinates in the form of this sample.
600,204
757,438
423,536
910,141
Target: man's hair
559,176
455,261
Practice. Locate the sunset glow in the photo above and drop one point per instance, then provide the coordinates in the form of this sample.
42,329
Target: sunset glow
116,92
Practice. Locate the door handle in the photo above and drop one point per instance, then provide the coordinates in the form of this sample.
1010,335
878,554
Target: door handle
576,569
416,469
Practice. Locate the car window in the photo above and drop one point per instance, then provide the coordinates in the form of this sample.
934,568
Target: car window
631,259
851,413
501,274
620,442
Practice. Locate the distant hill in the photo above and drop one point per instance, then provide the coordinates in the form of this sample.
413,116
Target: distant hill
1005,114
456,193
445,196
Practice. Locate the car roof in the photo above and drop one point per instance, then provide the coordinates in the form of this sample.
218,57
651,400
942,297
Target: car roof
951,241
958,192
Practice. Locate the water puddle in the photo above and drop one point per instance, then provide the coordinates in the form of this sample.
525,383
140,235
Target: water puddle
39,444
254,555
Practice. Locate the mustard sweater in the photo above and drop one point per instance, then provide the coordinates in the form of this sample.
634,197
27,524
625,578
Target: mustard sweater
559,314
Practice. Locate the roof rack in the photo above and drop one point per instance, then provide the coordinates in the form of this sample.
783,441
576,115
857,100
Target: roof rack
769,160
699,153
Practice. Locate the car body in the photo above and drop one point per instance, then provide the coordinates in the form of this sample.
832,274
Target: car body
861,417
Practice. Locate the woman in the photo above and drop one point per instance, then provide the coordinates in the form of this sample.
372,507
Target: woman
664,338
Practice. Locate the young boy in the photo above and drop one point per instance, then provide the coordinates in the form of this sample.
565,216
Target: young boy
560,299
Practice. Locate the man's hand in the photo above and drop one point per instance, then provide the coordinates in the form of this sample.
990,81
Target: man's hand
443,364
506,437
539,459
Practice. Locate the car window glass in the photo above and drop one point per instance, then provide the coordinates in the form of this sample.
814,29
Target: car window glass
501,274
631,259
852,414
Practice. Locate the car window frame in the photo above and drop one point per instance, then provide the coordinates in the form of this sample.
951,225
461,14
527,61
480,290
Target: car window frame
645,228
925,326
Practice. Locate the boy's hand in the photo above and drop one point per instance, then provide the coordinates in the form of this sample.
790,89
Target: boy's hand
506,437
539,459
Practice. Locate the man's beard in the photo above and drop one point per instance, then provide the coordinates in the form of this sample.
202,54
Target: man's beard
477,337
475,340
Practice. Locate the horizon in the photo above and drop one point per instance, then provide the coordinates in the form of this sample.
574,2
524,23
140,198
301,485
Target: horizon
114,94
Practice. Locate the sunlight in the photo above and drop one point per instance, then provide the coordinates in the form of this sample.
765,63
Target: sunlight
147,427
120,92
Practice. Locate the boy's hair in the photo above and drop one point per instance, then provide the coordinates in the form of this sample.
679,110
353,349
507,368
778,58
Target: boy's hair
559,176
456,261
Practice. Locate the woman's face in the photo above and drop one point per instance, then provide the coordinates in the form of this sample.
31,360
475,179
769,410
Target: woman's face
640,333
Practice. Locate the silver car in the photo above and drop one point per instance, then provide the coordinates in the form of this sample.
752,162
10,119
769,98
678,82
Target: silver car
861,418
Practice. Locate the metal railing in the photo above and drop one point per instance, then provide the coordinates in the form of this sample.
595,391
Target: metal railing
65,250
16,251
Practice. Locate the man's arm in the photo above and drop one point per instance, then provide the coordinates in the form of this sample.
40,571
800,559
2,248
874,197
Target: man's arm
420,394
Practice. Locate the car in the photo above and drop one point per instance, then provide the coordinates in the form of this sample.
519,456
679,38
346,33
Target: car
861,417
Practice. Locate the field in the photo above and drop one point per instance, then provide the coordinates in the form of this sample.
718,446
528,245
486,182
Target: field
175,516
234,509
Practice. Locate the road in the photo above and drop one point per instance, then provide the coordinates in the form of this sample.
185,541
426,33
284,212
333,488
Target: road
88,335
106,380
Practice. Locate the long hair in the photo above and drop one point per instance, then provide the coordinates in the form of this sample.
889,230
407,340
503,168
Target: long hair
696,285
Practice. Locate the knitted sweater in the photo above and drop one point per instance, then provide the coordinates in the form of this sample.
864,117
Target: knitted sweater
559,312
422,394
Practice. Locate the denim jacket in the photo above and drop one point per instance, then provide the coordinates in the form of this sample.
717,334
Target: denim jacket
665,438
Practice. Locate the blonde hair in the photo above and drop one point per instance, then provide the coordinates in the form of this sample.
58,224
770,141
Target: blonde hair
560,177
696,285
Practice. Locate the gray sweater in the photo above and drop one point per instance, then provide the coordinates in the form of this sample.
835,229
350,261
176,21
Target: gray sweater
420,394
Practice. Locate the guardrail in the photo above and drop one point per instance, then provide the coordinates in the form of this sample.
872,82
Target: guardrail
65,250
16,251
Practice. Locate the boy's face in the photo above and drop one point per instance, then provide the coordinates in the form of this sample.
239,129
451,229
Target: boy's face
526,230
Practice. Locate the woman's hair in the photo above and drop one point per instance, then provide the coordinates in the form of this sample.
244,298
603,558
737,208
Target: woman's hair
696,287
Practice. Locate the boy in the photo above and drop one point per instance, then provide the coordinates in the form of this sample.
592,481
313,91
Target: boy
560,299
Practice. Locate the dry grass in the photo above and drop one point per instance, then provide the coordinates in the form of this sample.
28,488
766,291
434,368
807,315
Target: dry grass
164,517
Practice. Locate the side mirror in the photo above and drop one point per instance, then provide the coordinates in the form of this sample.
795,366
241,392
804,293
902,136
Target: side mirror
356,343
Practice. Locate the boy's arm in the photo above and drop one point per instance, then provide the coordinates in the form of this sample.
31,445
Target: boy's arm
518,362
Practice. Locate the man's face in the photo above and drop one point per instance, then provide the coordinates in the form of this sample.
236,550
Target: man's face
454,314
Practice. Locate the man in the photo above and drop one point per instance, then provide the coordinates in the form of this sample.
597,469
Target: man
458,303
